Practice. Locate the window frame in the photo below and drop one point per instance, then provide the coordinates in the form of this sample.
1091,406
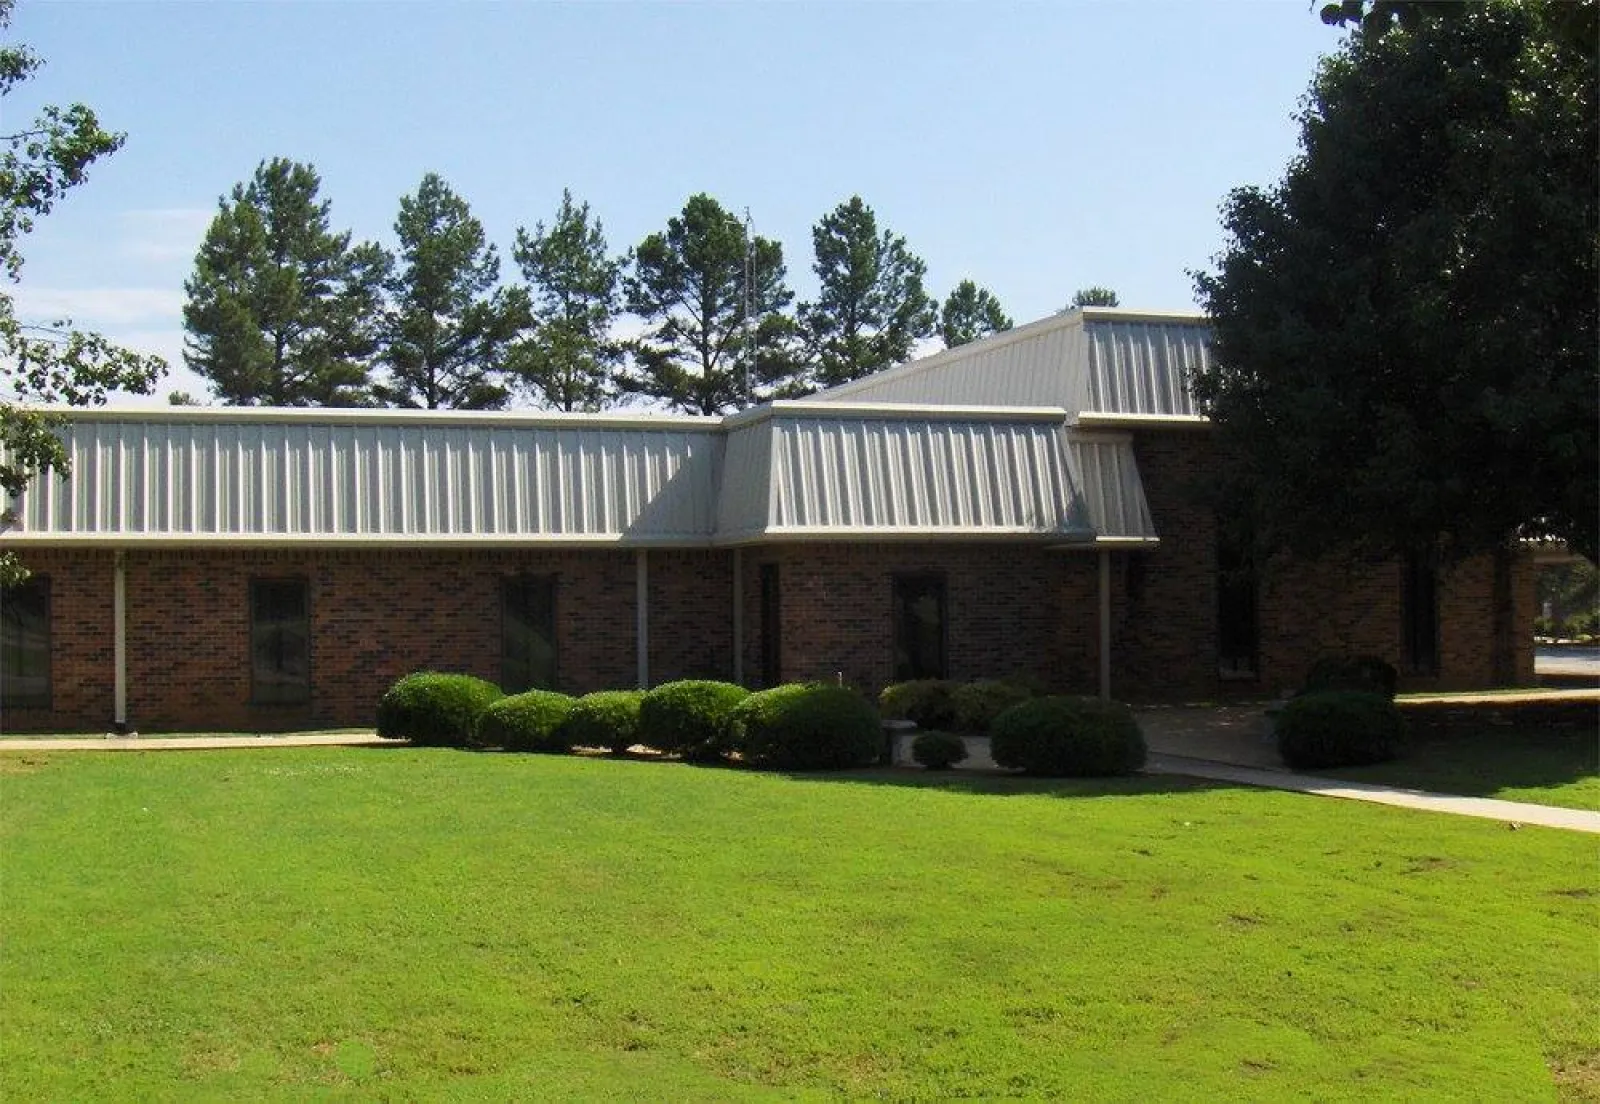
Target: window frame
257,697
518,583
937,582
1419,568
41,585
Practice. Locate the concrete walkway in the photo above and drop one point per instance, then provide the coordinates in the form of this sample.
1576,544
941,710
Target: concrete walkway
1516,813
195,743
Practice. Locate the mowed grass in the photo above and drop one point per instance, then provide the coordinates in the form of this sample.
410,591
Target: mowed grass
419,924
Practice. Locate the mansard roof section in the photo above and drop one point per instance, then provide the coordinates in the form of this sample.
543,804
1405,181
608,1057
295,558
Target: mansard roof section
273,476
1088,361
809,470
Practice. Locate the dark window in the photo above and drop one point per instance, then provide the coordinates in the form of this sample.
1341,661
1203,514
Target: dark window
919,627
528,633
1419,600
771,627
280,641
25,645
1238,636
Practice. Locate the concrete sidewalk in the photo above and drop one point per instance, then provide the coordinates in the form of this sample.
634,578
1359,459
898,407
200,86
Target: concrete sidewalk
196,743
1512,812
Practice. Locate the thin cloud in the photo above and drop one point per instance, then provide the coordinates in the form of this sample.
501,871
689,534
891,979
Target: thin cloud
98,308
164,233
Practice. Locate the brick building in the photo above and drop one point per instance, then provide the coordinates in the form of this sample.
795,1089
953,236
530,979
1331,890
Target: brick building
1023,505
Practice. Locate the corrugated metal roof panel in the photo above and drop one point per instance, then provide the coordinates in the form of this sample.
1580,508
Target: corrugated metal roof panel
746,479
1040,364
859,476
1107,475
143,478
1139,367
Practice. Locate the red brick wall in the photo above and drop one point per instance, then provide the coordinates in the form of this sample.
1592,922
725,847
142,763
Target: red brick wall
82,690
375,615
1012,610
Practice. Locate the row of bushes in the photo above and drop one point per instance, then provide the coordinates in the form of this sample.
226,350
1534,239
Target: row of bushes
802,726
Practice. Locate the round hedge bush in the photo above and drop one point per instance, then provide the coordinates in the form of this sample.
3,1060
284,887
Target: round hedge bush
977,704
527,722
689,718
1339,728
606,718
807,726
939,750
927,703
434,709
1068,737
1364,672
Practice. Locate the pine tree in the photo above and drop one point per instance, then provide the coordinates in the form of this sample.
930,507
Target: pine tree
702,353
971,312
282,311
570,360
872,308
448,329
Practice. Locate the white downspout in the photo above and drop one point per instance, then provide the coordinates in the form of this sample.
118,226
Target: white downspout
641,586
1105,625
738,616
119,644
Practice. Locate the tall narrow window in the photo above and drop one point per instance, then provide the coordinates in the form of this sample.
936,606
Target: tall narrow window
528,633
280,641
1419,613
919,627
771,627
25,645
1238,634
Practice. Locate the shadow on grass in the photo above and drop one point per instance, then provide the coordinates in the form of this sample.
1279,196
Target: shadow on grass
1010,785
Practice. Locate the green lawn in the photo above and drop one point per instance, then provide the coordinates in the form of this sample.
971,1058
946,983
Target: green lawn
416,924
1547,766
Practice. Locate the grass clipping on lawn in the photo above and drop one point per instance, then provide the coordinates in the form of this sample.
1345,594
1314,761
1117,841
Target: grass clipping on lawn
450,925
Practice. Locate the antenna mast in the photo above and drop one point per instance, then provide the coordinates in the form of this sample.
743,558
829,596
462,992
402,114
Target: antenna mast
747,362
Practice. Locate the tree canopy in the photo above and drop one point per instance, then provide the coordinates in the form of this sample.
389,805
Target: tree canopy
448,327
47,362
969,313
1095,296
282,310
570,360
714,298
871,308
1405,326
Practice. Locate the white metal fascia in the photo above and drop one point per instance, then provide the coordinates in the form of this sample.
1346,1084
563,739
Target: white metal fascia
362,416
1095,419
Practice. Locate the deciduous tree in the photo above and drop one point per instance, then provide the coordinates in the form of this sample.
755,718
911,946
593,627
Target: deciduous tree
570,360
872,307
282,311
47,361
1405,325
969,313
714,298
448,328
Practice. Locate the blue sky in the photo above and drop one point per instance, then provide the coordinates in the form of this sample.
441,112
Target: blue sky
1034,147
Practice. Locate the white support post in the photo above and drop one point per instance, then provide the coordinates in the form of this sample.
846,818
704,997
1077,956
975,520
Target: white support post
641,586
119,645
738,616
1105,625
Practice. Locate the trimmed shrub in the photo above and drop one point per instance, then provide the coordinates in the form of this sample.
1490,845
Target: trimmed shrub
1365,673
690,718
939,750
1068,737
977,704
927,703
607,718
527,722
434,709
807,726
1339,728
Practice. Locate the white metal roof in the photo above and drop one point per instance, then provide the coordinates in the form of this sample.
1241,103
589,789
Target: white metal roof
1008,438
1088,360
